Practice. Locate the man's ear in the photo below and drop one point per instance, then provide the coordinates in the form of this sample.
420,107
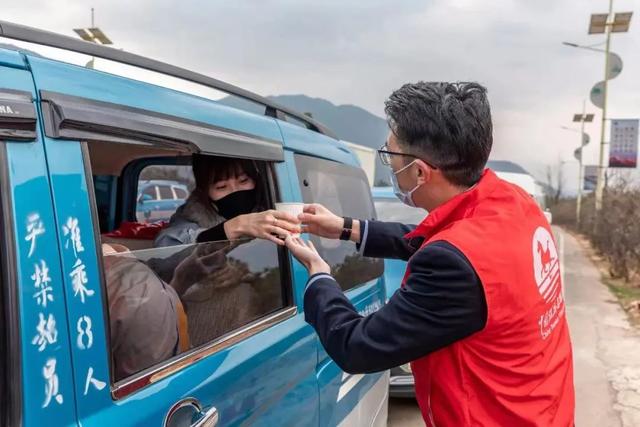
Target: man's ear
424,172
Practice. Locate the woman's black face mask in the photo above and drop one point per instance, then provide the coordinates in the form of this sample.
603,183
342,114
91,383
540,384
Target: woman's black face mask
237,203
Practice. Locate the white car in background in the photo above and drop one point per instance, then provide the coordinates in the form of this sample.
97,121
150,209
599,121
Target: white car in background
516,174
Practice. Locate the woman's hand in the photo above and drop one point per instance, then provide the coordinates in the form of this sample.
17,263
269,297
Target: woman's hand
307,254
269,225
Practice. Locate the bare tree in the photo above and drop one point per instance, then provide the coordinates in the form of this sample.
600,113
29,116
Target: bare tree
554,187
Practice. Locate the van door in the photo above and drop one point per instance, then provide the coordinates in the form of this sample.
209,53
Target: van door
344,189
37,366
262,372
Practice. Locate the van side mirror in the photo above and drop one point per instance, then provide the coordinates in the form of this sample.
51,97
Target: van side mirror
146,198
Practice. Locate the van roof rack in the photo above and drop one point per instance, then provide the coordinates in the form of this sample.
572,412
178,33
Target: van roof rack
47,38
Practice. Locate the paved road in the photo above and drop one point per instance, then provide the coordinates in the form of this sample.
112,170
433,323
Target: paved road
404,413
606,350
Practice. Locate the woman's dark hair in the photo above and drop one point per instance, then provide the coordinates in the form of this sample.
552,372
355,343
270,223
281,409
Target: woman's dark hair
447,124
210,169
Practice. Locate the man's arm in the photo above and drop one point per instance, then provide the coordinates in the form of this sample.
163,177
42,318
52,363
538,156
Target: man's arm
374,238
442,302
386,240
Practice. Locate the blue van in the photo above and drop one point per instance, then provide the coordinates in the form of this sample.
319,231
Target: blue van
75,146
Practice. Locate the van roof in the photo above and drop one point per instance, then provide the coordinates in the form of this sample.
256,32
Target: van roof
47,38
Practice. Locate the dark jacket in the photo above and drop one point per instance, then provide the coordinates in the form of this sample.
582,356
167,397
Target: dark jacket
442,301
189,220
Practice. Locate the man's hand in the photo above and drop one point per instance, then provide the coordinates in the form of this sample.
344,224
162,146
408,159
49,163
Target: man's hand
320,221
307,254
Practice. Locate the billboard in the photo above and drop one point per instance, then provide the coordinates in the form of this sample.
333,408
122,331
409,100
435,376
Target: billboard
623,145
590,177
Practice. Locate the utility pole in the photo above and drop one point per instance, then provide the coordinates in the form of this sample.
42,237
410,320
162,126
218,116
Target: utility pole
601,167
92,34
606,24
584,140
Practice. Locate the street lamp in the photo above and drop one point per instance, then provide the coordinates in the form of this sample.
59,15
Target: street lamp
601,23
579,46
92,34
581,118
605,23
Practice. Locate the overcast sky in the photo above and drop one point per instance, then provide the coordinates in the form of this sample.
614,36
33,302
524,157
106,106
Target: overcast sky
358,52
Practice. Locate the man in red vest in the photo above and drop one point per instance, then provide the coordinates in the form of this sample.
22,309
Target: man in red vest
480,314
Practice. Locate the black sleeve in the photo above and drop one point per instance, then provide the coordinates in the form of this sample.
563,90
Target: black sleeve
442,302
386,240
213,234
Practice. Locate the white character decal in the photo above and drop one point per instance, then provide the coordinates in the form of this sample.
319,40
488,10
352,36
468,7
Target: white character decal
47,332
72,232
99,385
79,280
35,228
41,281
84,333
51,388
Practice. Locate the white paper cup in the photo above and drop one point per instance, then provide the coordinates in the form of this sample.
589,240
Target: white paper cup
294,209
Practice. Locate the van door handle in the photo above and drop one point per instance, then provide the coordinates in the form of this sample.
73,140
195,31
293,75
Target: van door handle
184,412
210,418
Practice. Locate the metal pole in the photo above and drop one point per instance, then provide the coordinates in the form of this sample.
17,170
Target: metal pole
580,170
601,167
93,58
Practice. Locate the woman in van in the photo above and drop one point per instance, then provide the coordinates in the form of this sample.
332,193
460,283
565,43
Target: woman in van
226,204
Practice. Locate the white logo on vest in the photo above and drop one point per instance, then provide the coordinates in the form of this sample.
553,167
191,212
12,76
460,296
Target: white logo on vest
546,266
546,269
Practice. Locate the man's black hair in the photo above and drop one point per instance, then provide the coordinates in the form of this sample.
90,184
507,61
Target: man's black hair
446,124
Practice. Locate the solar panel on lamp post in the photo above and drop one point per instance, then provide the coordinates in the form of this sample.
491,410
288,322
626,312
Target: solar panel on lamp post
581,118
92,34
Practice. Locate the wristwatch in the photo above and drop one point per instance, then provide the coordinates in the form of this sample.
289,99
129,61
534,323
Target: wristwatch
346,228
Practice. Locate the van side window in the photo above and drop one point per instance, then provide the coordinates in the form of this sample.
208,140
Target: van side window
151,192
345,191
165,192
165,301
180,193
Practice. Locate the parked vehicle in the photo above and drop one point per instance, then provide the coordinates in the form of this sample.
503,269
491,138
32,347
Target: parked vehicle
516,174
74,147
158,199
367,157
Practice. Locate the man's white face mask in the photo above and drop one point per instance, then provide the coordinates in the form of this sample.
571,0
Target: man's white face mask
405,197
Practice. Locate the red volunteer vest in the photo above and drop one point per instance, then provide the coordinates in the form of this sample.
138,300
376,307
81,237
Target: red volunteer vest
518,370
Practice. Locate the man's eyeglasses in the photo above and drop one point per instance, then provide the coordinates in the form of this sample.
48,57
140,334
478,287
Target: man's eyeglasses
385,156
